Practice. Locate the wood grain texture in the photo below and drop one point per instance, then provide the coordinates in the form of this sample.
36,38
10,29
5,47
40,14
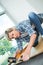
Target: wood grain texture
38,49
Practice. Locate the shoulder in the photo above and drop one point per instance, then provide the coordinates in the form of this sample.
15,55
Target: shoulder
24,22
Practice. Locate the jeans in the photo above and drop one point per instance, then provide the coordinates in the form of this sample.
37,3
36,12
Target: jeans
36,21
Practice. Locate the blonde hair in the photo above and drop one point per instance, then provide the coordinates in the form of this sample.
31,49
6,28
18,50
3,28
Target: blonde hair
8,31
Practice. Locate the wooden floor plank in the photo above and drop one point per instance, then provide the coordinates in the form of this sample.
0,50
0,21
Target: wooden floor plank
38,49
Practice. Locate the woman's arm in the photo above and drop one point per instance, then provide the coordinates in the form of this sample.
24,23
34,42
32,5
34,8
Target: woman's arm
31,43
26,54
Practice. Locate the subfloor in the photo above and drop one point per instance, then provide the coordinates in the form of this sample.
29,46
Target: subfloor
38,49
37,60
36,55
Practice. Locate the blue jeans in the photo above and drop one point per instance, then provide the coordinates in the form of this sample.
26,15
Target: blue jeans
36,21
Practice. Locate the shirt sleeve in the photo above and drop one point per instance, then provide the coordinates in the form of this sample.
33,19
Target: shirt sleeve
19,44
28,28
25,26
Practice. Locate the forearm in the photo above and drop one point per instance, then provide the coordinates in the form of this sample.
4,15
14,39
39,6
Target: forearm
26,54
32,40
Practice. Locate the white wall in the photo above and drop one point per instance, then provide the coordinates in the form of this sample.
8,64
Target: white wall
37,4
0,0
18,9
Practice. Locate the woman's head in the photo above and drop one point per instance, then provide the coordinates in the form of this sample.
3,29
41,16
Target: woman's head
12,33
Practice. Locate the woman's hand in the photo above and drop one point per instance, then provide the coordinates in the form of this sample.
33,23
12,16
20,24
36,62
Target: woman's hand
26,55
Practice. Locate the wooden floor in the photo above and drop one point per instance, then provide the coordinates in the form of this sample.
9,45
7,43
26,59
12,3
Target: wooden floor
35,50
38,49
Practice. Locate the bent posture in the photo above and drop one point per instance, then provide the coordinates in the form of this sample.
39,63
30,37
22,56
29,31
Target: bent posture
25,32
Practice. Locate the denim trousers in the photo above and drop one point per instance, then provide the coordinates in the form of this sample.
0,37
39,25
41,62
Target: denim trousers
36,21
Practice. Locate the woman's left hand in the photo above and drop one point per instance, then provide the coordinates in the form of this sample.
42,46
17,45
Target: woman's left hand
26,55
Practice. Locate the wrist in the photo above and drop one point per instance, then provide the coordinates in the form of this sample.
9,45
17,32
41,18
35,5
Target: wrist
28,49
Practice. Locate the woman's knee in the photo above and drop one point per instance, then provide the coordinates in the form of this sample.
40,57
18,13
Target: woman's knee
31,15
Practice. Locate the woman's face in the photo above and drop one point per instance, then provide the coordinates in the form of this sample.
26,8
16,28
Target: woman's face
14,34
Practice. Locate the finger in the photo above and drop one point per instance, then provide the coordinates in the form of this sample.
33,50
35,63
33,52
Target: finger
25,58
